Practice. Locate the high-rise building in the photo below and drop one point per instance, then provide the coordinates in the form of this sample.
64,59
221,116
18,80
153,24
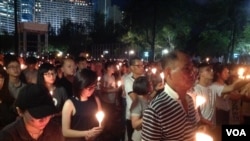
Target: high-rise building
7,16
54,12
51,12
27,10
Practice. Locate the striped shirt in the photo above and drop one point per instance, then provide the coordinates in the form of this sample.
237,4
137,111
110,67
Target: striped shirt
166,119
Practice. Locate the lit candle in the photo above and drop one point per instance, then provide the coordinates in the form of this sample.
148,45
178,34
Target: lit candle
100,115
119,83
98,82
207,59
241,73
248,76
118,67
203,137
162,77
153,70
199,101
23,66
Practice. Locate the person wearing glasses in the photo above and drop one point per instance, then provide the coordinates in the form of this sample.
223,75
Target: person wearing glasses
47,76
13,69
78,115
136,69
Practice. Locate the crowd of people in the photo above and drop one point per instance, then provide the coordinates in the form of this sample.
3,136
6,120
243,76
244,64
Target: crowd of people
58,100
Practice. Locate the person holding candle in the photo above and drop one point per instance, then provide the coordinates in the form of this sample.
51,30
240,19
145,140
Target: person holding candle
223,107
47,76
205,87
171,115
143,88
35,108
109,97
211,91
78,115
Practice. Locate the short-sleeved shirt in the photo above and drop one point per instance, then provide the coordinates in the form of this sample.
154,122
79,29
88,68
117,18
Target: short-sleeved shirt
128,87
137,111
166,119
210,93
16,131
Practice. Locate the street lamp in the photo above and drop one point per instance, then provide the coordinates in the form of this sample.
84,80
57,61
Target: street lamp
164,51
131,52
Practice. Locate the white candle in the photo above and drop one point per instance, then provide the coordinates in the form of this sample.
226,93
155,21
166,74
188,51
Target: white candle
100,115
98,82
119,83
162,77
98,78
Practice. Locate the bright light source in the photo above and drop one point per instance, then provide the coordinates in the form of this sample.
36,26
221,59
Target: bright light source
131,52
105,52
164,51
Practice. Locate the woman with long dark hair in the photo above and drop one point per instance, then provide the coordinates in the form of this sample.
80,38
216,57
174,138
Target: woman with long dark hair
78,115
47,76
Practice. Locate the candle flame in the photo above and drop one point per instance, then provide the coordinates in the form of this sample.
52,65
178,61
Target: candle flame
100,115
153,70
162,75
98,78
241,72
200,100
119,83
203,137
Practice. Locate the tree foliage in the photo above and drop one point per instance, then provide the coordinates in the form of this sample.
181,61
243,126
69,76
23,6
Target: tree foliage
206,28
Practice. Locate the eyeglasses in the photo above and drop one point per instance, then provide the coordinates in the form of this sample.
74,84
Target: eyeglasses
14,67
139,66
49,74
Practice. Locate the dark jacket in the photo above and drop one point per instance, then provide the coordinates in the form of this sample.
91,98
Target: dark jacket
16,132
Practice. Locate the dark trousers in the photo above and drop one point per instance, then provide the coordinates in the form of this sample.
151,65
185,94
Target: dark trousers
222,117
130,129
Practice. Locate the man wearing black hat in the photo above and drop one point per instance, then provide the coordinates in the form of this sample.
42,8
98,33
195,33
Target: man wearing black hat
35,108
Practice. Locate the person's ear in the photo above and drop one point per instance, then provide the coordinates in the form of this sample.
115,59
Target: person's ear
167,73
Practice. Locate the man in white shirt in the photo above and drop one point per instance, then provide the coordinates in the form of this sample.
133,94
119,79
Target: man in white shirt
137,69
